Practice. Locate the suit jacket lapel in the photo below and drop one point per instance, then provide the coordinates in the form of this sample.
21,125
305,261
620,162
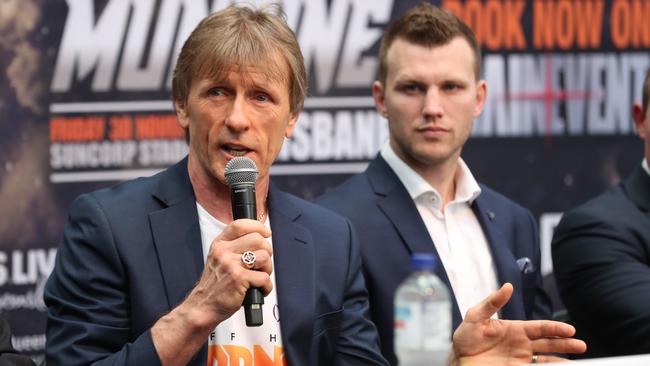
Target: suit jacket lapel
398,206
177,238
502,254
293,253
177,234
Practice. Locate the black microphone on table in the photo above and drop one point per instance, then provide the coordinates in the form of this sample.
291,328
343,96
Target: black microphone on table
241,174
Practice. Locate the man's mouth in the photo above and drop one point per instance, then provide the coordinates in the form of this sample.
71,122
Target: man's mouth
432,129
235,150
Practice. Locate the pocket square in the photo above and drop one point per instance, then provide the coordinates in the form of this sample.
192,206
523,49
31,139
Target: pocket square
525,265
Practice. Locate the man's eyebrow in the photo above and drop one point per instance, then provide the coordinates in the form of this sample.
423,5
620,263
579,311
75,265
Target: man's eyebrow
406,79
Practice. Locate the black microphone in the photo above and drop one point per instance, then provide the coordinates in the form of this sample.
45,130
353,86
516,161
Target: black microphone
241,174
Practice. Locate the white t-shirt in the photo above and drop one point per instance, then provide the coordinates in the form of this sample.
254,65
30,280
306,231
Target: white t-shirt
233,343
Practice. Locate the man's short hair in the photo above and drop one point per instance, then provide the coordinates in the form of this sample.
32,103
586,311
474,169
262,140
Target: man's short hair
646,92
429,26
242,37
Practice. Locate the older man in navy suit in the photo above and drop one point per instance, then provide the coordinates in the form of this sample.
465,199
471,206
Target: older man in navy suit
152,271
419,196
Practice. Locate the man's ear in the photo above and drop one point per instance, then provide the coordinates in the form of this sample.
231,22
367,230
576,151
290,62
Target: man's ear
181,114
481,97
378,96
291,125
639,118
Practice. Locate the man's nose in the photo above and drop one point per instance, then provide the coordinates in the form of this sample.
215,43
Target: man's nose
237,117
432,107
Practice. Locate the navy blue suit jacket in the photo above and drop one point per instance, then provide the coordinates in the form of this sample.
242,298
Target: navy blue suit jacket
391,230
601,261
133,252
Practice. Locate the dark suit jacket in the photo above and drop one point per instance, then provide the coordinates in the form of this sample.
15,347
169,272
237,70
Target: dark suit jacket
601,259
391,230
133,252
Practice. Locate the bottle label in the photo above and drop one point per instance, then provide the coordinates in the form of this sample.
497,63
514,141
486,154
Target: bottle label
422,326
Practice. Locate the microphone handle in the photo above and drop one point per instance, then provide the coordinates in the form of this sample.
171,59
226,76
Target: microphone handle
244,207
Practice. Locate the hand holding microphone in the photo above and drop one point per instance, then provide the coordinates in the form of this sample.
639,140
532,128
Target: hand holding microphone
241,174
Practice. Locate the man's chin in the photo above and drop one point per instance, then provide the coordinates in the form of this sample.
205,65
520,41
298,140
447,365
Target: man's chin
216,170
435,158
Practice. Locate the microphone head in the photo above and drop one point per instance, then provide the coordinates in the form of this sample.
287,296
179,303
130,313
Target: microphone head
241,171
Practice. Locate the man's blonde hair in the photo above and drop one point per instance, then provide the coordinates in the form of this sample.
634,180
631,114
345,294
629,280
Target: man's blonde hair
240,37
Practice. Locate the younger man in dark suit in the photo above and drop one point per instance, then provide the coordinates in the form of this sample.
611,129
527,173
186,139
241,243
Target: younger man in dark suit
601,258
418,195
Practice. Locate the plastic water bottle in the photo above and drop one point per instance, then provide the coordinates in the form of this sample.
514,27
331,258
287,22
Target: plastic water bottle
422,316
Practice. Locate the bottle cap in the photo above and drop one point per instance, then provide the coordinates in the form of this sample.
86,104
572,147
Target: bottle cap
423,261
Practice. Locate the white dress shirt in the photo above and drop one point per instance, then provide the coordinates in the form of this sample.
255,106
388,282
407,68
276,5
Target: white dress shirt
645,166
456,233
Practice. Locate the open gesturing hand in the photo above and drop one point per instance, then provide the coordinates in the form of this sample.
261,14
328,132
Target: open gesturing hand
480,340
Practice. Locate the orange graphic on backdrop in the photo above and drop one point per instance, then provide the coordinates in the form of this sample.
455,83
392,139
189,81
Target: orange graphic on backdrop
77,129
497,24
158,126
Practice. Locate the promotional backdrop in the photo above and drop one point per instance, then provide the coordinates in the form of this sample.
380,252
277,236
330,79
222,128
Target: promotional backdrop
85,103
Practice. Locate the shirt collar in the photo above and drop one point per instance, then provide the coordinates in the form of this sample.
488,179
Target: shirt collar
644,164
467,189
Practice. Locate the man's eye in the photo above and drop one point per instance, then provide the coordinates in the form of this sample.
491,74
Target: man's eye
412,88
451,86
216,91
262,97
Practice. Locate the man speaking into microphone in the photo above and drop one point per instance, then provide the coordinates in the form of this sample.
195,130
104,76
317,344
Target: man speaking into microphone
155,270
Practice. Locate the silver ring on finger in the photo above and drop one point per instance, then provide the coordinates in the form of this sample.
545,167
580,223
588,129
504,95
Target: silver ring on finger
248,258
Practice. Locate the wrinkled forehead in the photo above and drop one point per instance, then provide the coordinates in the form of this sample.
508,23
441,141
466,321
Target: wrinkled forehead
267,67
